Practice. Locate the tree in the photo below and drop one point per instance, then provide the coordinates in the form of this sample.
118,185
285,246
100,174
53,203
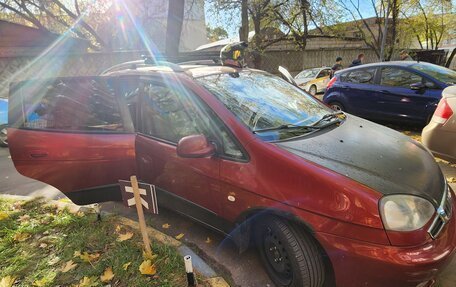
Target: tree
59,16
174,26
215,34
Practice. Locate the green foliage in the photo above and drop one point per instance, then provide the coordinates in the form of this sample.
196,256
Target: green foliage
215,34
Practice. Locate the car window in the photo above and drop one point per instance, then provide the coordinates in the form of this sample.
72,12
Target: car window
442,74
173,112
311,73
323,73
361,76
395,77
73,104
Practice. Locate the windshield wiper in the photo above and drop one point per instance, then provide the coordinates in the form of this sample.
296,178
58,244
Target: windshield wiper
327,117
285,127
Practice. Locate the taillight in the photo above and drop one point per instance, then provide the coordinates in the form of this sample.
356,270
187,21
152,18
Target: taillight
443,112
331,82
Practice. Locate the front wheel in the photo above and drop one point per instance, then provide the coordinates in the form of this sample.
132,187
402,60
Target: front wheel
289,254
313,90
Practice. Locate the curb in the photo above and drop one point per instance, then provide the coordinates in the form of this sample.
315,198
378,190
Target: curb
201,267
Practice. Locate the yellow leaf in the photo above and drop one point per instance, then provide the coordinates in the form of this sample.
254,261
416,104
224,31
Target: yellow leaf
166,226
40,283
107,275
87,282
149,255
69,265
3,215
125,266
451,179
80,214
21,236
147,268
87,257
7,281
179,236
77,253
118,228
126,236
208,240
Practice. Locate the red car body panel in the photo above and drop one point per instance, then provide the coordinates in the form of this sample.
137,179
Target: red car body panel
341,213
73,161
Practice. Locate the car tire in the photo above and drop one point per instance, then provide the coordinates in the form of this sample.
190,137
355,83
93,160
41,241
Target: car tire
290,255
337,106
313,90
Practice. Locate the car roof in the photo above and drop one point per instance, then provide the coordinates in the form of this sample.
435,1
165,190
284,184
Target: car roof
381,64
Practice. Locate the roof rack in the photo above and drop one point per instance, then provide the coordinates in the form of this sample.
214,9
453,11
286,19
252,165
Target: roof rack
147,62
208,62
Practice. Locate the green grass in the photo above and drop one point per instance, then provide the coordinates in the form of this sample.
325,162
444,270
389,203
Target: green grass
52,237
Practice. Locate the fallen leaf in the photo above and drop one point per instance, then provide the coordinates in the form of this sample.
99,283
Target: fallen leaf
18,205
88,282
24,218
125,236
87,257
179,236
166,226
40,283
80,214
107,275
451,179
21,236
69,265
7,281
118,228
77,253
3,215
208,240
53,261
147,268
43,245
125,266
149,255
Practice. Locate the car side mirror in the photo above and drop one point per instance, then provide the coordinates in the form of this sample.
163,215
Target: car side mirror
195,146
417,86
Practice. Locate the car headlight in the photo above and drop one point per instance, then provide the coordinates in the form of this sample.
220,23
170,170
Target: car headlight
402,212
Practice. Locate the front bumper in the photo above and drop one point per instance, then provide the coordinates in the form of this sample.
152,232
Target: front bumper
357,263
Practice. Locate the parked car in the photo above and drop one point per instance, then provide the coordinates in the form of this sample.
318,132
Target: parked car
313,80
440,134
390,91
3,122
320,193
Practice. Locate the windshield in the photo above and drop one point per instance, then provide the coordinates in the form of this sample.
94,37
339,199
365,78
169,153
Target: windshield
312,73
441,74
263,101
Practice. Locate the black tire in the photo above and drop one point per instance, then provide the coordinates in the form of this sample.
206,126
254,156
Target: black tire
337,106
313,90
290,255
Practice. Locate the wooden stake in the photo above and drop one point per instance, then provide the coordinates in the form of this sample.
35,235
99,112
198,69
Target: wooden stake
139,209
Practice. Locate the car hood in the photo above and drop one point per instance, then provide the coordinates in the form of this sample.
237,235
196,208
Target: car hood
303,80
378,157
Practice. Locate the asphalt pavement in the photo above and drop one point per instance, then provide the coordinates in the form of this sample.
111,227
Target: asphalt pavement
240,270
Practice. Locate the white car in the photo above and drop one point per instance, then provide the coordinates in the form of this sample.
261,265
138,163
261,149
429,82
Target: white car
313,80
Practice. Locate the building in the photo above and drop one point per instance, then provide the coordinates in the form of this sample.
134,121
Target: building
19,40
141,25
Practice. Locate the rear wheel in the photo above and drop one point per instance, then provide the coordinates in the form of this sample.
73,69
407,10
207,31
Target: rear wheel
313,90
290,255
337,106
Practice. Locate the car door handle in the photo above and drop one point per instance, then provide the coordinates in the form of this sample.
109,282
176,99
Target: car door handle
384,92
38,154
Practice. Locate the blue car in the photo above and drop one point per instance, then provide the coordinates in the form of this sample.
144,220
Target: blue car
404,91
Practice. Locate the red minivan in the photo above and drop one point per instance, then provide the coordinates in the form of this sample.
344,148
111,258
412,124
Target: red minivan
327,198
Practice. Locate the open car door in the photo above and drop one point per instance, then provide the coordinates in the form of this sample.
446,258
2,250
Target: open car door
74,134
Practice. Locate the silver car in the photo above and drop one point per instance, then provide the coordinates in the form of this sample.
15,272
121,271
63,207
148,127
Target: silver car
313,80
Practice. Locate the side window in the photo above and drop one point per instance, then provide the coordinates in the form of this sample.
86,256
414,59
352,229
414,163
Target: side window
395,77
73,104
362,76
173,112
323,73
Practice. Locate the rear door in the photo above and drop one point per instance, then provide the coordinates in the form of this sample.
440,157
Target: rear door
74,134
357,87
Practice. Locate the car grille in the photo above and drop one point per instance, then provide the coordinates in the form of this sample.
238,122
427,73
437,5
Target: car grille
444,213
